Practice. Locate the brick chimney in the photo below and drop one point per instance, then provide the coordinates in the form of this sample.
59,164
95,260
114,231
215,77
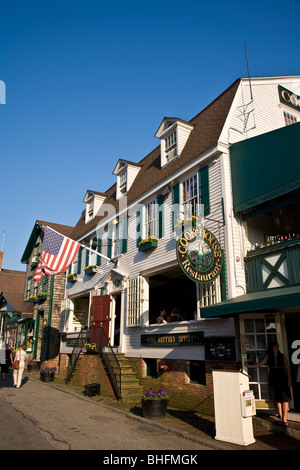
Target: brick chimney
1,257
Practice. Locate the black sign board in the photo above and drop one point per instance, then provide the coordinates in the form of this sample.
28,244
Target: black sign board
195,338
220,349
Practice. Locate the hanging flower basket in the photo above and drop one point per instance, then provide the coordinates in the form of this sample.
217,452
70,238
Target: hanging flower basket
148,244
72,277
154,404
90,270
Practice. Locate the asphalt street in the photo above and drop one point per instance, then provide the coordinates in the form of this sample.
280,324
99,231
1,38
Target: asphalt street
38,416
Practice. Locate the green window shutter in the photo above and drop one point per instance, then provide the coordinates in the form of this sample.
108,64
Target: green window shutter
175,202
99,248
160,215
125,234
87,255
109,242
79,260
45,284
138,226
204,189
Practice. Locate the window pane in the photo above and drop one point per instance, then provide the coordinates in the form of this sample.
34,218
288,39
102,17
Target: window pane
250,342
249,326
259,326
261,342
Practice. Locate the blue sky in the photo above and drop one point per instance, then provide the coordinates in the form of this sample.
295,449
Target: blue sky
88,82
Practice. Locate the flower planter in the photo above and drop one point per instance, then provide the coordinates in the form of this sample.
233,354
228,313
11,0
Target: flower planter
148,245
33,367
90,271
154,409
47,376
92,389
73,278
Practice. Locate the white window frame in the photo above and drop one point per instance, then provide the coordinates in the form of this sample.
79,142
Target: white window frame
150,219
117,239
137,302
288,116
190,192
123,182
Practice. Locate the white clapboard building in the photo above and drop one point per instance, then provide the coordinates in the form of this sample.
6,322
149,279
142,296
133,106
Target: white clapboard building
178,232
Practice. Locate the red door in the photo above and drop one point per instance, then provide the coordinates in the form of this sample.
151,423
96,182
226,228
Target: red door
100,318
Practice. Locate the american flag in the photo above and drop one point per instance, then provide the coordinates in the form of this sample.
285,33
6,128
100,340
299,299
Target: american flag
57,255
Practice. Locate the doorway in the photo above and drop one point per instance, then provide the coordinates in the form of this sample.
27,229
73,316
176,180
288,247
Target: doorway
257,333
116,324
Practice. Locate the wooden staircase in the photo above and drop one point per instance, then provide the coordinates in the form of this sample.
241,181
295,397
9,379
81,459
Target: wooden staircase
131,390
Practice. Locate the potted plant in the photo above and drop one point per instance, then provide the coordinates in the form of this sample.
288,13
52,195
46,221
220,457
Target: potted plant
148,243
33,366
90,348
47,374
154,404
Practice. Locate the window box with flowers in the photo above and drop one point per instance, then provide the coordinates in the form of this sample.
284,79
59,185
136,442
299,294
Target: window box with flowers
33,298
90,270
72,277
42,296
148,243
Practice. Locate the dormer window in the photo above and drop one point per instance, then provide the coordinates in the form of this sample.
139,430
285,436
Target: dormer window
93,201
125,172
173,134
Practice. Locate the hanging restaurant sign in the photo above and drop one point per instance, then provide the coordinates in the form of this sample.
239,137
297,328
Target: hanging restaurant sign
289,98
199,255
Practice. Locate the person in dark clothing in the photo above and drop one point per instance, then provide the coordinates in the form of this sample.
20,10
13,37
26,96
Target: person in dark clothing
279,380
8,362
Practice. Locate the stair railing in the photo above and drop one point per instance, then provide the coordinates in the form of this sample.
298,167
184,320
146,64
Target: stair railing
113,370
77,350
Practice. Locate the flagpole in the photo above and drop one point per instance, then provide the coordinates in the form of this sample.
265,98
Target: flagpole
98,254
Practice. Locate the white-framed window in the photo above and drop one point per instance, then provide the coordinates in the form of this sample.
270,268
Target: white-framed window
170,141
137,301
117,239
190,196
123,181
134,299
150,225
289,118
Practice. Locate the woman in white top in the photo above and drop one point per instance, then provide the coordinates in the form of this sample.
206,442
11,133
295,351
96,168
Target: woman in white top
18,373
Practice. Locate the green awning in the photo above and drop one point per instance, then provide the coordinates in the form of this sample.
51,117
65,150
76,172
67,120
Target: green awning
256,301
259,167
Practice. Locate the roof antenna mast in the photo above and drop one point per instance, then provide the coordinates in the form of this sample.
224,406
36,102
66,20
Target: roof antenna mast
248,71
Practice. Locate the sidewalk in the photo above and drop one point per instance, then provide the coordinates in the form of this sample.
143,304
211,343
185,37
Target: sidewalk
268,432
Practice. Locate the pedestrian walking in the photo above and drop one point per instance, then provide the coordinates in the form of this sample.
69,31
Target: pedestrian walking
6,362
19,366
